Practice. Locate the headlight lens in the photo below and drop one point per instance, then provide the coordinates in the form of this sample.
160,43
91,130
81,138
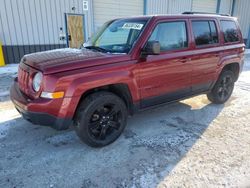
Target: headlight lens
37,80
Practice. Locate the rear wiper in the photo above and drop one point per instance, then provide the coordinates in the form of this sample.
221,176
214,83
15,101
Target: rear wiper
97,48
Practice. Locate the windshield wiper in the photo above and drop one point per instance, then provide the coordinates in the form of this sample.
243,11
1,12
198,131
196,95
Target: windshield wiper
97,48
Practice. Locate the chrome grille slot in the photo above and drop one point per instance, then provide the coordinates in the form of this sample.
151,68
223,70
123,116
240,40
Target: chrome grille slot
23,80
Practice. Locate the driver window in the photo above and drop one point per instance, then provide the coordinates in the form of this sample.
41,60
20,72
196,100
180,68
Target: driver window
171,35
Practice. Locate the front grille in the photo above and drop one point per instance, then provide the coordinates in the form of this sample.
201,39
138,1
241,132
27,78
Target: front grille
23,80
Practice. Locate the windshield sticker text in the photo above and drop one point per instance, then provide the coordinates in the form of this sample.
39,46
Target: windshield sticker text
132,26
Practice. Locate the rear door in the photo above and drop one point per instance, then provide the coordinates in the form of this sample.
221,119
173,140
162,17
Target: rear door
207,53
232,40
167,76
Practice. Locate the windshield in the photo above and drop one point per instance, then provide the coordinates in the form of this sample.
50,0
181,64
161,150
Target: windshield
116,36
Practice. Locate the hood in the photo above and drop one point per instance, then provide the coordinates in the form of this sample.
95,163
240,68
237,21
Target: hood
59,60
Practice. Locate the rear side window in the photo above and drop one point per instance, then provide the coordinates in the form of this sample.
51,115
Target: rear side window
205,32
230,31
171,35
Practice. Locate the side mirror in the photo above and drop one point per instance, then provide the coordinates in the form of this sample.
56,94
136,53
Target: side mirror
151,48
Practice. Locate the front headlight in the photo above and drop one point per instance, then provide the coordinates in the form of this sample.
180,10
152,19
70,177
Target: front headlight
37,80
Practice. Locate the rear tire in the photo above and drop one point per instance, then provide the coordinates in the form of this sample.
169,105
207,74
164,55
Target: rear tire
100,119
223,88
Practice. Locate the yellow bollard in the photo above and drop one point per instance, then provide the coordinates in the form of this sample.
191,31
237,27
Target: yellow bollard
2,63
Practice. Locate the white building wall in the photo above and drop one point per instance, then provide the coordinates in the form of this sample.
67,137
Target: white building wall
157,7
242,12
179,6
167,6
110,9
36,22
204,6
225,6
28,26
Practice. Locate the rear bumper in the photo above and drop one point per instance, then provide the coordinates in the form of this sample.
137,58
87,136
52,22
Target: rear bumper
23,105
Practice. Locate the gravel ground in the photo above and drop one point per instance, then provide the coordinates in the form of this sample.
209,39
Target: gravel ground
192,143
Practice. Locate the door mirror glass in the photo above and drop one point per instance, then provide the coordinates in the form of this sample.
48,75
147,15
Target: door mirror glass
152,48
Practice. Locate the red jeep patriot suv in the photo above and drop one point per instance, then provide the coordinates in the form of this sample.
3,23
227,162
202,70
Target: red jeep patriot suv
129,65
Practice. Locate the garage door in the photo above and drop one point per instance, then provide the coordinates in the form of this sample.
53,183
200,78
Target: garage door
110,9
204,6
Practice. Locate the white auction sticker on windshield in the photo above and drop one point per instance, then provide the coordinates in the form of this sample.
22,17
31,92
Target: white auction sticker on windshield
132,26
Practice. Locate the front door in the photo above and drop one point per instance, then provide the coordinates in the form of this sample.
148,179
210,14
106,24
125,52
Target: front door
75,30
167,76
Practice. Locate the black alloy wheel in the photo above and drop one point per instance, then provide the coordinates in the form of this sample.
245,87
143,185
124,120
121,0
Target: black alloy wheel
100,119
223,88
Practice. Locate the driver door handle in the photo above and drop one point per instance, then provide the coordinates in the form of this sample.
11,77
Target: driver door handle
185,59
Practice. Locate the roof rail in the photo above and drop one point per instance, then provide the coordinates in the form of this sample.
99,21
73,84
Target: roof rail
187,12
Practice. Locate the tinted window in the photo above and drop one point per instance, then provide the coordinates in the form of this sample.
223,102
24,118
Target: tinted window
230,31
205,32
171,35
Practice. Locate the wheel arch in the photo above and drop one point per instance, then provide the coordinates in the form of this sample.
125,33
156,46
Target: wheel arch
120,89
234,67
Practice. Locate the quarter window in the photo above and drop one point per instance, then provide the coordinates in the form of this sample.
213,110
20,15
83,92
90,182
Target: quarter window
205,32
171,35
230,31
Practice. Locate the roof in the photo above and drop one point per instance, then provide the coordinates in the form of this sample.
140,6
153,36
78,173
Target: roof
177,16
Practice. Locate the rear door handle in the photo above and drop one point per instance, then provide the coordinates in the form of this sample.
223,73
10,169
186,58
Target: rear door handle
217,54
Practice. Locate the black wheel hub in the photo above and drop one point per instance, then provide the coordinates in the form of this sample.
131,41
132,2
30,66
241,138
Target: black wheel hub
225,87
105,121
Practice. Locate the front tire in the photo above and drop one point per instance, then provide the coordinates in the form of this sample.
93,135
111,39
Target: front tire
100,119
223,88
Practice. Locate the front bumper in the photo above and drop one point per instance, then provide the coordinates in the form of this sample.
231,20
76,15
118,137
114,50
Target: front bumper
23,103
